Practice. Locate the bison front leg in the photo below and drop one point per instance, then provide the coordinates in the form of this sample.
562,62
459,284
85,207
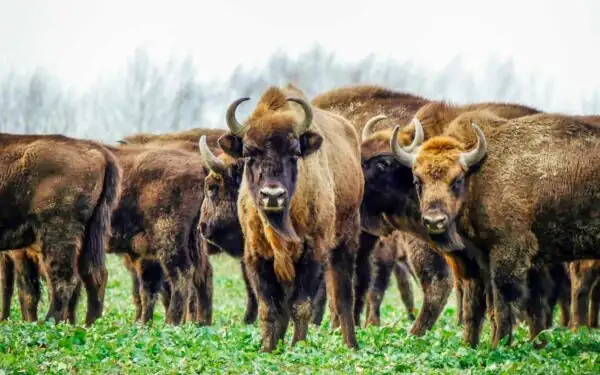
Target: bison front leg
7,282
339,275
474,309
509,279
309,274
458,289
251,302
320,301
403,277
27,274
202,288
536,304
272,310
434,277
381,281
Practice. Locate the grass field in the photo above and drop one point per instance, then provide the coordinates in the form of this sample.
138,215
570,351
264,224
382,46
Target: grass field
116,345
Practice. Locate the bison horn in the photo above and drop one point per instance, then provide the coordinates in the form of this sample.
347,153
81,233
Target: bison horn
366,133
405,158
212,162
232,123
308,114
470,158
419,135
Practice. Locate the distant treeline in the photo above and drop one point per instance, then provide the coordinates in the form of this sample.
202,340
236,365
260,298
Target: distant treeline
152,97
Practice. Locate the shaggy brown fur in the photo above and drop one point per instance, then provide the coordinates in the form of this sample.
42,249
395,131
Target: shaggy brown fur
425,264
585,297
156,228
318,169
57,194
220,226
546,199
25,266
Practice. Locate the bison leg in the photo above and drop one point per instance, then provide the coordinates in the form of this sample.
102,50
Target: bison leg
381,281
561,292
580,292
272,312
7,282
178,269
27,274
434,277
60,263
594,304
458,288
362,279
151,276
403,277
135,286
319,303
203,286
251,302
474,308
71,313
536,307
165,294
340,272
309,274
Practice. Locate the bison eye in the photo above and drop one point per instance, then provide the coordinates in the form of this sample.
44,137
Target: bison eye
213,189
458,184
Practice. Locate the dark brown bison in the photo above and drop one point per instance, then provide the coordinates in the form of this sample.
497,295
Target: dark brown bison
519,199
299,209
155,227
57,194
428,267
585,297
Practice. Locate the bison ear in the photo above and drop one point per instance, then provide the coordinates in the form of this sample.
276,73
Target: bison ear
231,144
309,143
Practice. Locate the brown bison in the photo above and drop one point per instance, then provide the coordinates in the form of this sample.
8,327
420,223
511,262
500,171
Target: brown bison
185,139
299,209
424,265
57,195
471,194
155,227
585,279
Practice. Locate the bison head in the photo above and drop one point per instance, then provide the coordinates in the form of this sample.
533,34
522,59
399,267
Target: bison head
440,167
388,184
271,142
219,224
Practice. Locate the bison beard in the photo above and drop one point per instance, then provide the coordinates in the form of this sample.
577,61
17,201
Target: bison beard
282,224
450,240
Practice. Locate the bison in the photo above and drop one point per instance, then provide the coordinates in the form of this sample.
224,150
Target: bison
521,198
299,208
155,227
57,195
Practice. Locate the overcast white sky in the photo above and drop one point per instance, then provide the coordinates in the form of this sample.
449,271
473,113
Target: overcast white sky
80,40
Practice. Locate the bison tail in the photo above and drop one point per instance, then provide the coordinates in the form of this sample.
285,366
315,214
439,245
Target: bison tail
98,228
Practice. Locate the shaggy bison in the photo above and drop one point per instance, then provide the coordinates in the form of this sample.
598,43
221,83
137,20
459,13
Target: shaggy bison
521,198
57,194
299,209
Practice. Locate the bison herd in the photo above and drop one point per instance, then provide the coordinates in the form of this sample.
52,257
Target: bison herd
320,200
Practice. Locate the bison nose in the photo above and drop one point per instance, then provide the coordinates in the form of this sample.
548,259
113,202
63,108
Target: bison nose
273,197
435,222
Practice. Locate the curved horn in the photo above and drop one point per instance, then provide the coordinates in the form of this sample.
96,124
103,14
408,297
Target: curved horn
470,158
419,135
366,133
232,123
308,114
212,162
405,158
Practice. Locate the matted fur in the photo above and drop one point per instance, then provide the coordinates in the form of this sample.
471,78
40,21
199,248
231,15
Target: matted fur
57,194
324,213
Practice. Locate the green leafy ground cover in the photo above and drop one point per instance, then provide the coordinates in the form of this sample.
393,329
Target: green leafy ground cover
115,345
